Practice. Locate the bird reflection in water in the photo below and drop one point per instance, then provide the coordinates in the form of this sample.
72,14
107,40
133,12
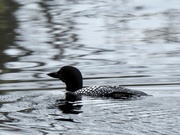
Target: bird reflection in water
69,104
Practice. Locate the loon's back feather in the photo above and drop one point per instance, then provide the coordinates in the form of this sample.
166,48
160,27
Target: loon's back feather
109,91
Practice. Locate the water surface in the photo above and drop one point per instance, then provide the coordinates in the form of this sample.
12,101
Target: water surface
129,43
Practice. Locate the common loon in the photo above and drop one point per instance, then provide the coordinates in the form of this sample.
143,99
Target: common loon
72,77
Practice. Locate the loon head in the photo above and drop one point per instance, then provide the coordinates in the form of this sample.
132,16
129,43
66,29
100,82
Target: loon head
71,76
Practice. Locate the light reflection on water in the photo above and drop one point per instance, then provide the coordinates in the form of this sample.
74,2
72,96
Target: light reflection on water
131,43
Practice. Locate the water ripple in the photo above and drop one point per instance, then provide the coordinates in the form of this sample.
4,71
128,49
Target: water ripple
115,42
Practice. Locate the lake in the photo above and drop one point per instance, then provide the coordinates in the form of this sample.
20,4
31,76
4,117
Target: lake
135,44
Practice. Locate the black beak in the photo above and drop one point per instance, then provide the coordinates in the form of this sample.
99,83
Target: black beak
53,75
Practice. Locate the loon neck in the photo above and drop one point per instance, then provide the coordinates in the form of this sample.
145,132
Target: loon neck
73,87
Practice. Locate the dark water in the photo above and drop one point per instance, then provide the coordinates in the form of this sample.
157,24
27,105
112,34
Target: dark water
131,43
